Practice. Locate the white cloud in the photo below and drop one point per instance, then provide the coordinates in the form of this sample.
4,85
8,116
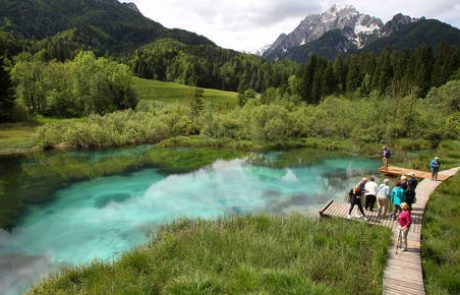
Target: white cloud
248,25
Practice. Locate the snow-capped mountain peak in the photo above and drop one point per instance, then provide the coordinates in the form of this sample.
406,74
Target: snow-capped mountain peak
358,29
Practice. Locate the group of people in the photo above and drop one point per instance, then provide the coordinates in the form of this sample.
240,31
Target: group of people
402,196
403,192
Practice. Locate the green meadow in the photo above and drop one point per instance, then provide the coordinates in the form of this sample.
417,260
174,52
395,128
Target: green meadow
168,92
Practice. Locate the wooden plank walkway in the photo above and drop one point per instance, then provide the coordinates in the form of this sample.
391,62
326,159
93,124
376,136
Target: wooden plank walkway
403,272
396,171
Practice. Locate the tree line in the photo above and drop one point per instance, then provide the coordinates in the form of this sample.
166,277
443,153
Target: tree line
389,73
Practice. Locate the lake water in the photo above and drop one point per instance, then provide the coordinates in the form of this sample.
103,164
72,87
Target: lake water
102,217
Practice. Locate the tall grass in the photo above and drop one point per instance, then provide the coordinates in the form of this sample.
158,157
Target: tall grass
240,255
441,240
441,229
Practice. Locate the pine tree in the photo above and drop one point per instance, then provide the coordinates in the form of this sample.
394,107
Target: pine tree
423,68
6,94
354,73
329,82
339,72
383,74
196,102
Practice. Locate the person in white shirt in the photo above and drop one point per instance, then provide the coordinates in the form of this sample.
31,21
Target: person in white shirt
383,195
370,191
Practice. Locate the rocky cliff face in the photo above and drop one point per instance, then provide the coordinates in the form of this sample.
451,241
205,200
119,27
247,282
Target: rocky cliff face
397,22
357,28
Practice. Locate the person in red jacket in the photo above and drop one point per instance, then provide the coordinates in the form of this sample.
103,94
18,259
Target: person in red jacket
404,222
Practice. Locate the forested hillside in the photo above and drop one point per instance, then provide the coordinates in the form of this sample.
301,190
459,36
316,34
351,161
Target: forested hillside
391,72
98,25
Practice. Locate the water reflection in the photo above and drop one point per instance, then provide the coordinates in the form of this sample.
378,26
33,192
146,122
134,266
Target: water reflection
95,219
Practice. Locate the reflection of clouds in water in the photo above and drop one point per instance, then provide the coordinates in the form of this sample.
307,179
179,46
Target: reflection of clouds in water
290,176
18,272
97,218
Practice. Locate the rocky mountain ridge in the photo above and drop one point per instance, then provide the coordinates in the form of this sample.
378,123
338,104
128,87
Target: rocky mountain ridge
358,29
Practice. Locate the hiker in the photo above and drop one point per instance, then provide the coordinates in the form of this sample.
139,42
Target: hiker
404,223
362,185
404,184
397,197
355,199
386,157
370,191
434,165
383,194
410,192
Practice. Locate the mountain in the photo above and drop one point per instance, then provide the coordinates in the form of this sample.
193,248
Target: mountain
429,32
117,27
343,29
359,30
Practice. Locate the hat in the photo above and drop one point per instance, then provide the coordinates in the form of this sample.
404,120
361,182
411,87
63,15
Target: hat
403,178
411,174
436,158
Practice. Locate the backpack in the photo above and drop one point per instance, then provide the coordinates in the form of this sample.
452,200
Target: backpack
387,153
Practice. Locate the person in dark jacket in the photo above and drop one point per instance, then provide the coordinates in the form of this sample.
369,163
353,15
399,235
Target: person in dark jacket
410,192
386,155
355,200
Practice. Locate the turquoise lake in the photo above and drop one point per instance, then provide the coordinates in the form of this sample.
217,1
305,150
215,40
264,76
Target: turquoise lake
103,217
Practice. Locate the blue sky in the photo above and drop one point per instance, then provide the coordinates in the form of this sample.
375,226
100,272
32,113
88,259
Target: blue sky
248,25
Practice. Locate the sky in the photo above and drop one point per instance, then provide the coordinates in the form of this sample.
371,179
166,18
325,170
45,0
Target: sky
249,25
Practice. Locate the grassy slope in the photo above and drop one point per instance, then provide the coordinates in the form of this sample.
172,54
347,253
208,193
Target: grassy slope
152,90
441,230
241,255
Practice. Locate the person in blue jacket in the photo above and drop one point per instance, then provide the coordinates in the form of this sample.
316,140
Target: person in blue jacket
397,197
434,166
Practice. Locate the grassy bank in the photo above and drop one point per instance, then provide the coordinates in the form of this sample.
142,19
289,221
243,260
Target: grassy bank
441,240
16,138
240,255
441,229
20,138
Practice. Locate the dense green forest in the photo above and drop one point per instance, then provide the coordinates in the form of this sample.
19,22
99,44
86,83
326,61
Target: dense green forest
102,26
393,73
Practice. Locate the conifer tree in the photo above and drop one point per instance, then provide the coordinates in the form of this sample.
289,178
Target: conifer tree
6,93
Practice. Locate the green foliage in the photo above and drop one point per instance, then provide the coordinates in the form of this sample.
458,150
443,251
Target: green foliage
229,256
196,102
441,239
83,86
7,105
361,121
397,74
208,66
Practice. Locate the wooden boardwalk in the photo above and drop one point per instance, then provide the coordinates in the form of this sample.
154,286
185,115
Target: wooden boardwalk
397,171
403,272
